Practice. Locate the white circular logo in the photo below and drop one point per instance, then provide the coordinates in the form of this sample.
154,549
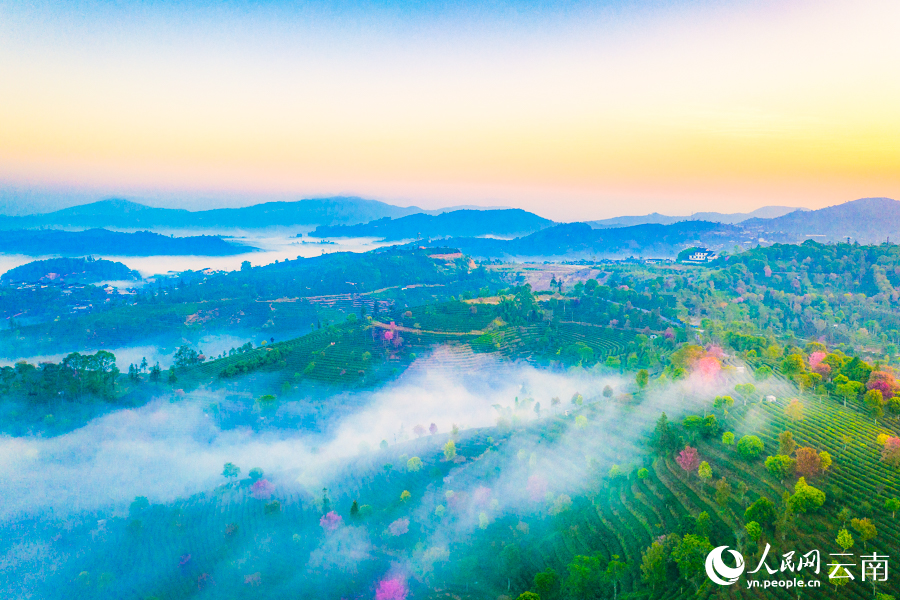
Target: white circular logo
721,573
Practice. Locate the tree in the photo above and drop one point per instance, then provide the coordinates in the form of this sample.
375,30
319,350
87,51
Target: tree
414,464
656,559
728,438
585,577
892,505
794,410
450,450
231,471
663,436
528,596
643,473
825,459
186,356
890,453
688,459
172,377
780,466
547,583
354,510
762,511
808,462
432,429
806,498
607,391
844,539
419,430
865,528
255,473
642,378
690,555
704,471
703,525
723,492
786,443
874,401
838,576
754,530
723,402
615,569
749,446
155,373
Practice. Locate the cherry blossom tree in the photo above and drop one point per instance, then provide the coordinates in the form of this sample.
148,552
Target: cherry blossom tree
391,589
688,459
262,489
331,521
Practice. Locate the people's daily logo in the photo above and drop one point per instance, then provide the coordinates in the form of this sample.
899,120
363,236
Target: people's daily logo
721,573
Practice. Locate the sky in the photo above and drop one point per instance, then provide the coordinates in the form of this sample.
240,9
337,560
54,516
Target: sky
574,110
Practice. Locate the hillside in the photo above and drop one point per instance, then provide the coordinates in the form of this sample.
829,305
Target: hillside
45,242
458,223
867,221
580,240
71,270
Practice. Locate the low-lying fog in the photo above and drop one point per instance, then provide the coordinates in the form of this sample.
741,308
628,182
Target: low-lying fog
274,244
164,450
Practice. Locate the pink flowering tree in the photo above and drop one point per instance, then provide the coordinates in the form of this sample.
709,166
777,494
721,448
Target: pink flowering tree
815,359
391,589
262,489
688,459
432,429
399,527
331,521
669,333
709,367
890,454
884,382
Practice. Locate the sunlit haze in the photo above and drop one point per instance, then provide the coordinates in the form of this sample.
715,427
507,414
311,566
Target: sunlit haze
572,110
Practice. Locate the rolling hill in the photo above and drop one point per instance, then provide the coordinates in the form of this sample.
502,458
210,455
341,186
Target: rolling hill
458,223
46,242
580,240
867,220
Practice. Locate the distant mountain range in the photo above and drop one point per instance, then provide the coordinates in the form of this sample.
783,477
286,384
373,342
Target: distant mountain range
70,270
44,242
463,223
766,212
124,214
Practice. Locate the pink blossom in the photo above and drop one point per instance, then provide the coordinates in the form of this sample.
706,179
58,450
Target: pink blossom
536,487
815,358
399,527
253,579
331,521
688,459
262,489
391,589
884,382
388,335
709,367
669,333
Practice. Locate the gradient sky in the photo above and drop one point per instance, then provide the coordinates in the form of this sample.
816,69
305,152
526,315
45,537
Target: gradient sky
575,110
